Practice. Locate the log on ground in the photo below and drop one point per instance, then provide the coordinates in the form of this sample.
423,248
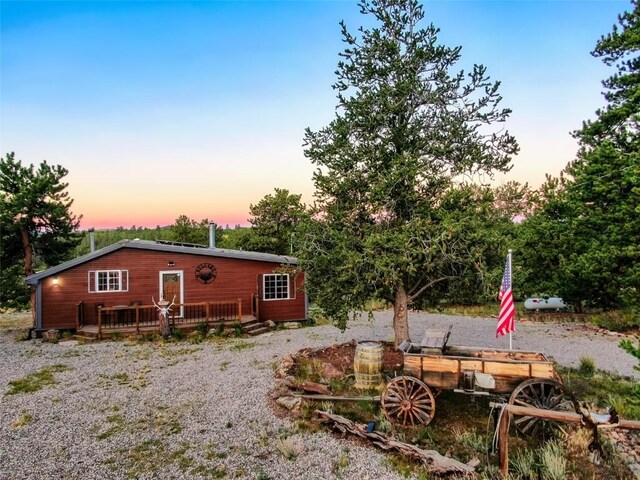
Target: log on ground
433,461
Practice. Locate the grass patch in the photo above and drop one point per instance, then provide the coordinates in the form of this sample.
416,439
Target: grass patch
177,352
23,420
11,320
163,422
617,321
36,381
116,425
603,390
242,345
341,462
481,311
136,381
587,367
150,458
290,447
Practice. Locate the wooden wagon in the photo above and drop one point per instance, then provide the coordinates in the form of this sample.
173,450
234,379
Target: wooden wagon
529,378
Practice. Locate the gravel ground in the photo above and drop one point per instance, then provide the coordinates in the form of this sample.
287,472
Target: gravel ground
199,411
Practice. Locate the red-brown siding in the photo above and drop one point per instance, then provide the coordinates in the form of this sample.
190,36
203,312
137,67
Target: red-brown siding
236,279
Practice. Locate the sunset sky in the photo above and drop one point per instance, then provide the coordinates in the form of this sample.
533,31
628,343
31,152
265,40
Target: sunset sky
199,108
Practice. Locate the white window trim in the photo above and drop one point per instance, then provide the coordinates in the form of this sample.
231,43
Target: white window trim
264,287
92,284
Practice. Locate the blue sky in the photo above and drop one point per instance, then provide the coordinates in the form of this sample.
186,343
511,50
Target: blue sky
199,108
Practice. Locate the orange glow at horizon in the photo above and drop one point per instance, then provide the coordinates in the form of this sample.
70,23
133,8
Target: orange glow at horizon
146,207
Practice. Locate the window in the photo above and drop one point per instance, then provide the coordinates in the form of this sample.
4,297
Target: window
109,281
276,286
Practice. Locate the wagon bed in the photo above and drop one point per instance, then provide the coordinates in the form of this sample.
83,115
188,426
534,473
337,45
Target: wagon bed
446,370
432,366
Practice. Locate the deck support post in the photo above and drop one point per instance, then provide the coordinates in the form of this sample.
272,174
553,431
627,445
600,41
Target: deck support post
78,306
137,319
207,312
99,323
240,310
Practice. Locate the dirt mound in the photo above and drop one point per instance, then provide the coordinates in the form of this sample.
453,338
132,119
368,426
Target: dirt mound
341,356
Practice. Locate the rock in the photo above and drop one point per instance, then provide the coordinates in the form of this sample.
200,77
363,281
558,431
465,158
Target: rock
270,324
289,402
292,325
329,371
288,382
51,336
68,343
286,367
314,388
305,352
280,391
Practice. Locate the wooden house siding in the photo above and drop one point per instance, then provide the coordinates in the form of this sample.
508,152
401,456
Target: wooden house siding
236,279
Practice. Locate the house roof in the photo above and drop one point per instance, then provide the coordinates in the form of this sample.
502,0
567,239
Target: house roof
163,247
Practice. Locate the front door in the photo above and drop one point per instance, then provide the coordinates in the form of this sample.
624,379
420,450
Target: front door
171,288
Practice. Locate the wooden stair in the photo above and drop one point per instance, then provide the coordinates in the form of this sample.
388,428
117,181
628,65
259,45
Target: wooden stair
86,337
254,327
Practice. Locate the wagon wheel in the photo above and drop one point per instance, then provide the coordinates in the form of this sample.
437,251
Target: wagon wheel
408,401
538,393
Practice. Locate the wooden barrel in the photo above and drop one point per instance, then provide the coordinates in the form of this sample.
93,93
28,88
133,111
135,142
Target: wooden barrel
367,365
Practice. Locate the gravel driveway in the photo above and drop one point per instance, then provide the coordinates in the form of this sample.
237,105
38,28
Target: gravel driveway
199,411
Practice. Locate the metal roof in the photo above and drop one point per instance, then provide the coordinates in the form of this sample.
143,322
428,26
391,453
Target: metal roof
163,247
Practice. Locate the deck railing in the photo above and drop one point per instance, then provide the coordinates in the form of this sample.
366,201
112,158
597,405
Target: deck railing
181,314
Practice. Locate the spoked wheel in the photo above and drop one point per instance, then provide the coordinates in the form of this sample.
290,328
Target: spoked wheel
408,401
538,393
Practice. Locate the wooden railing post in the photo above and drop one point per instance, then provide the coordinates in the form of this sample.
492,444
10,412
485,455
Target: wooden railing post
207,312
99,323
137,319
240,310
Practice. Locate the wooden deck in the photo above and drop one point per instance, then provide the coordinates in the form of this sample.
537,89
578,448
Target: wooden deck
136,319
248,323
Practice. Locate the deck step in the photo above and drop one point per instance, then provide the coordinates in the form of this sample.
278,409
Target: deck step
257,331
254,327
85,338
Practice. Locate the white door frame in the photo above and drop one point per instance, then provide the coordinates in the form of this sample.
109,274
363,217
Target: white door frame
180,273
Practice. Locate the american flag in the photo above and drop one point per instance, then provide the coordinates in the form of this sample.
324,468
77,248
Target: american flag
507,317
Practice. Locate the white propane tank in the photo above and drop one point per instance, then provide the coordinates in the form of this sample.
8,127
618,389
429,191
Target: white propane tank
544,303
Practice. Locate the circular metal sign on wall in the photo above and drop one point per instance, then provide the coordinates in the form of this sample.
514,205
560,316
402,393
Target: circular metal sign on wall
206,273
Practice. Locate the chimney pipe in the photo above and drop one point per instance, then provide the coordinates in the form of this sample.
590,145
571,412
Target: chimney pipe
92,240
212,235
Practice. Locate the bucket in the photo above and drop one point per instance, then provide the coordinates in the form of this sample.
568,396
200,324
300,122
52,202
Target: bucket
367,365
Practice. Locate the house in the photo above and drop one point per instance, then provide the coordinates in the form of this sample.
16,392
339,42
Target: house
114,289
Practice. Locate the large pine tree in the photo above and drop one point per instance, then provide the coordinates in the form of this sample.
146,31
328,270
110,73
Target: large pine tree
407,125
35,218
589,221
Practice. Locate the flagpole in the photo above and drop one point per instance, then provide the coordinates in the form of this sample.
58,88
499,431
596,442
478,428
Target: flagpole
514,303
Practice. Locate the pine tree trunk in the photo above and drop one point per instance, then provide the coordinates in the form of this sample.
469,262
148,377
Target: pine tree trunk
28,254
28,267
400,316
